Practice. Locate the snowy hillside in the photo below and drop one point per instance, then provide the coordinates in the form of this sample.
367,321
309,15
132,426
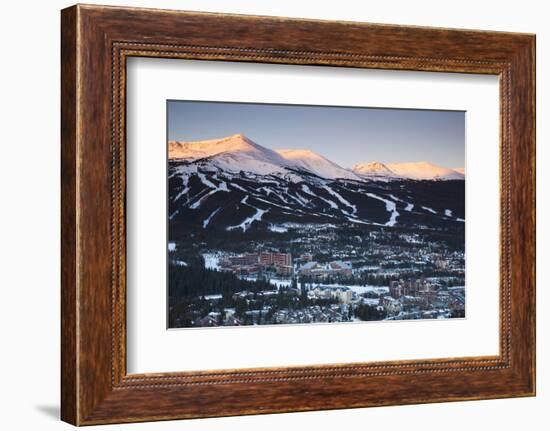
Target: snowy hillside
316,164
424,171
237,153
237,143
233,154
234,184
374,171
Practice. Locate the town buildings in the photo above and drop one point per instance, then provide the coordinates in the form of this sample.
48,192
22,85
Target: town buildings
409,287
323,270
252,263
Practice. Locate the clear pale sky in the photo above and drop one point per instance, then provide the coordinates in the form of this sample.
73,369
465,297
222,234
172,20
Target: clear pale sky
344,135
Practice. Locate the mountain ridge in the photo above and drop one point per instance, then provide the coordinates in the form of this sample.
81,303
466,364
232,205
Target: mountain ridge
236,185
239,153
316,163
424,171
373,169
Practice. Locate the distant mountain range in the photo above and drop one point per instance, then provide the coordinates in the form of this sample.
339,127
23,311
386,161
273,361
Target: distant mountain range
239,153
235,184
412,171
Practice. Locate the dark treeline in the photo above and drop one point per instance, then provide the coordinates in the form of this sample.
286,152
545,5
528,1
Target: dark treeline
368,313
195,280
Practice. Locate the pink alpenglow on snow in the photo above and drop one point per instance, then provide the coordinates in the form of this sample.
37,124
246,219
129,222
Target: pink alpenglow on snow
315,163
424,171
238,153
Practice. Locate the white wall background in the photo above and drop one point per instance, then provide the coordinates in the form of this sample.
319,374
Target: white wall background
29,217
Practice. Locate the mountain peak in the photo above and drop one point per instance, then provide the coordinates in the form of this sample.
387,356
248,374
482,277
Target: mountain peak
236,138
192,150
237,153
315,163
424,170
232,153
373,168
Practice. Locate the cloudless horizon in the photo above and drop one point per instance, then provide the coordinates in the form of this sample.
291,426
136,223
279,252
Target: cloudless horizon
344,135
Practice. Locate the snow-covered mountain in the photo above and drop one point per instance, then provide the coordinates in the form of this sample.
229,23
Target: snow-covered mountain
237,143
374,170
424,171
234,154
310,161
237,153
235,184
411,171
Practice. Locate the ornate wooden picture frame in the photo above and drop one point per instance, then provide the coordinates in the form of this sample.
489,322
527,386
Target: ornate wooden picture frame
96,41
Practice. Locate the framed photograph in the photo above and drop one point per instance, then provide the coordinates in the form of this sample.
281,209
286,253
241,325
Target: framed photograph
261,235
265,215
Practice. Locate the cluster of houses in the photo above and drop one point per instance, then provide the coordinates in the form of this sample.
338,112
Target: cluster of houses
342,294
403,300
282,265
253,263
410,287
313,314
324,270
215,318
419,299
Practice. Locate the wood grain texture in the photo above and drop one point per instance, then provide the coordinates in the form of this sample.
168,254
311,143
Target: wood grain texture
96,41
69,397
